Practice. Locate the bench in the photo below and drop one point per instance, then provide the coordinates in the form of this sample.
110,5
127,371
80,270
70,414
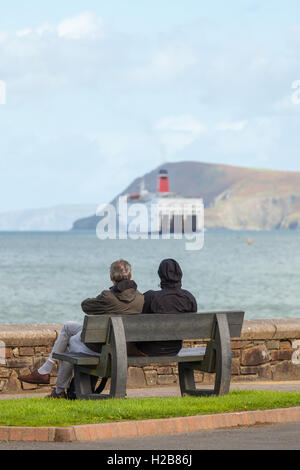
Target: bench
111,332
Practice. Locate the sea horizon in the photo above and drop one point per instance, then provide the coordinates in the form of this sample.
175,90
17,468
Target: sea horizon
46,275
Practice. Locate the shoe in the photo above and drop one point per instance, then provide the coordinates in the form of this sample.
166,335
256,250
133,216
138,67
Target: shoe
57,395
36,378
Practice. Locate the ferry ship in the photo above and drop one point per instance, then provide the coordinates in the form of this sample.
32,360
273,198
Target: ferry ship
162,212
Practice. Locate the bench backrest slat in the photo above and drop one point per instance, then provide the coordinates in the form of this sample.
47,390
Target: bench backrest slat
161,327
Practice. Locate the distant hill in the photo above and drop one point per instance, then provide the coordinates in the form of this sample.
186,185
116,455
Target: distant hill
59,218
235,198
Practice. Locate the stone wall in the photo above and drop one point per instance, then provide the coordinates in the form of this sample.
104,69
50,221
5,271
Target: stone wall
23,348
267,350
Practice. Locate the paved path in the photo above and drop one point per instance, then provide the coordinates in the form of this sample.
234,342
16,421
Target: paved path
175,392
279,437
285,437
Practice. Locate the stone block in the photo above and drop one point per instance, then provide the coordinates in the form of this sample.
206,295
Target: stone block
288,328
296,357
29,386
282,355
296,344
13,385
4,373
286,370
209,379
164,370
240,344
151,377
198,376
27,351
136,378
265,372
236,352
38,362
273,344
40,350
285,345
249,370
258,329
29,335
2,384
235,368
24,371
255,356
16,352
166,379
18,363
8,353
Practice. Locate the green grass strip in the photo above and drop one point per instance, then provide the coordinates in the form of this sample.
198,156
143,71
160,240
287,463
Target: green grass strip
41,412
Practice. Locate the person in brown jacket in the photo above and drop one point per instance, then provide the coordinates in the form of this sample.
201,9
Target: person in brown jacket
122,298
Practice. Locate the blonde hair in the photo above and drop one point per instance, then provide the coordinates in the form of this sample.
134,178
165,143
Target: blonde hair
120,270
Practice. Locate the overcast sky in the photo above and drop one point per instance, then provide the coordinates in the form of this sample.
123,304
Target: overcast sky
100,92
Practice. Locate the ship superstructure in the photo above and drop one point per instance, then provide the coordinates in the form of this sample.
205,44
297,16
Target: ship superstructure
163,211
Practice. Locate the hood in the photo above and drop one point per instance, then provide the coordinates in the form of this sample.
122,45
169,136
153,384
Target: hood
125,290
170,274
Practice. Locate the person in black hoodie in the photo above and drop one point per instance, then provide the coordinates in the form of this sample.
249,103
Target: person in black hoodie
170,299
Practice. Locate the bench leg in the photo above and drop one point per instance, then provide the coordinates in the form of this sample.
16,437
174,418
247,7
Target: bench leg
223,356
220,363
83,384
119,363
186,380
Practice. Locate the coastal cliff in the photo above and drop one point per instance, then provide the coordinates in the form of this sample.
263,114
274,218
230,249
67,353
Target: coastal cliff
235,198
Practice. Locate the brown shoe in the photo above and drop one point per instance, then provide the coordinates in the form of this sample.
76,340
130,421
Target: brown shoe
36,378
57,395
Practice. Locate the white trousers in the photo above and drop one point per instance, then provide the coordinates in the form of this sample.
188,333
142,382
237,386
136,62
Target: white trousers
69,340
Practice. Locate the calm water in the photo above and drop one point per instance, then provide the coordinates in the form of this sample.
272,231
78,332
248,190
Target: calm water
45,276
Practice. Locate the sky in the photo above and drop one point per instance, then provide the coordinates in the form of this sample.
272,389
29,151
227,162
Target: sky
98,93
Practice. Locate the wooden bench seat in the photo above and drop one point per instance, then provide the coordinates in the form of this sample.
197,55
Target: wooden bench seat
185,355
112,332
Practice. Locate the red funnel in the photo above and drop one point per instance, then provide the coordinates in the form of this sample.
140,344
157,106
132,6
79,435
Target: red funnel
163,182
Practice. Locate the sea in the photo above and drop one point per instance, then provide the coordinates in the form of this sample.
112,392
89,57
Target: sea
44,277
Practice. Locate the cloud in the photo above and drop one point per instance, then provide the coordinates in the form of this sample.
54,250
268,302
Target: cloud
171,60
24,32
178,132
232,126
2,36
85,25
203,93
52,56
219,72
183,123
